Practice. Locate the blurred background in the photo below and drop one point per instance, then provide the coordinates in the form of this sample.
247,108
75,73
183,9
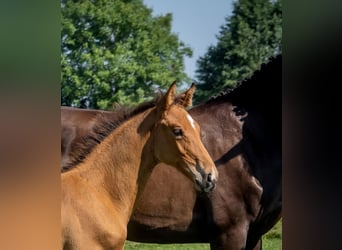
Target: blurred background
124,51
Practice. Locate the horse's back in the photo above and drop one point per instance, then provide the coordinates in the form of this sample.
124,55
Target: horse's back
76,124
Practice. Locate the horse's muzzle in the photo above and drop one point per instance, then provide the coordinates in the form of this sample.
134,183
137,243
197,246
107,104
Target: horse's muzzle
207,184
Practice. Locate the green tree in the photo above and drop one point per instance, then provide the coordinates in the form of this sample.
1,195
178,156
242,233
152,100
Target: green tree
249,37
116,51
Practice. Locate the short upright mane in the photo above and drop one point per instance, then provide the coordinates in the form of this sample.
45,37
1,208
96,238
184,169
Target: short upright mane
255,85
104,126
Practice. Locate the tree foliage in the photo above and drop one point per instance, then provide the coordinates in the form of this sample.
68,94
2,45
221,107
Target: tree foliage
249,37
116,51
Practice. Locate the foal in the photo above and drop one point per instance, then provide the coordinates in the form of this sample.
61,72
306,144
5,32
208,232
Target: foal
98,195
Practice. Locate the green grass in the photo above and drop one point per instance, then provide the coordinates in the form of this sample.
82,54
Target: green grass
142,246
271,241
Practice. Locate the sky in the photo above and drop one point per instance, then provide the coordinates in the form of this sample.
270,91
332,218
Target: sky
196,22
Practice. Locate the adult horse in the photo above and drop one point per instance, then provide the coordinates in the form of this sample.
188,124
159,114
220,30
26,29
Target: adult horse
98,194
76,125
241,130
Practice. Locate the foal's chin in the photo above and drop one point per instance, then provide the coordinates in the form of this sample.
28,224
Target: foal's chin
203,182
204,186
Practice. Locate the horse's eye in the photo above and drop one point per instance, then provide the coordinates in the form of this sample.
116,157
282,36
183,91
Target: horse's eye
177,132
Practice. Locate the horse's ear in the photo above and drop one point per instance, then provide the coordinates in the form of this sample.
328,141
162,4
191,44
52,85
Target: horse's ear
168,98
185,99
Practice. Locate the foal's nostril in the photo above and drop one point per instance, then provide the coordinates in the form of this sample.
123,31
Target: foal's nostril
209,178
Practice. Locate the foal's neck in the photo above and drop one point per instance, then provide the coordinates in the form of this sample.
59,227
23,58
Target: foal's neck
121,163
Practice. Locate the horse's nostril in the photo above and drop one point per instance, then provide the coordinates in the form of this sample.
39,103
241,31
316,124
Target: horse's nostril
209,178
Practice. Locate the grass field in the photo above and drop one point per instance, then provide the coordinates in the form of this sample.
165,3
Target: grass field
271,241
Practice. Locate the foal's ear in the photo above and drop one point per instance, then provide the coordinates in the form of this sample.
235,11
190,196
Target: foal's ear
168,98
185,99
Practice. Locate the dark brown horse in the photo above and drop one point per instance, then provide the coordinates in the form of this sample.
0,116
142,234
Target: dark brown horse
241,130
76,125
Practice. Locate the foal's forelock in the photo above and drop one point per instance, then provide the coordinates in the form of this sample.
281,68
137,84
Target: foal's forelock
105,124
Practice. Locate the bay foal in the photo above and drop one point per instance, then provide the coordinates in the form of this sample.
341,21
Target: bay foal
98,195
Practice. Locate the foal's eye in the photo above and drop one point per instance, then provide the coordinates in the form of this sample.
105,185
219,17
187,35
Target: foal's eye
177,132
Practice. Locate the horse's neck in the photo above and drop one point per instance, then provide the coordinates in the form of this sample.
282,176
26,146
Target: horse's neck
117,166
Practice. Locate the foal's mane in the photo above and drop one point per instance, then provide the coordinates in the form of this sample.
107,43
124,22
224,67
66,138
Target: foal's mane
104,126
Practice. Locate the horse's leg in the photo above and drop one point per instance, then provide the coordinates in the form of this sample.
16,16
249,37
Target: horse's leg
235,238
254,242
97,238
120,244
258,246
115,240
229,241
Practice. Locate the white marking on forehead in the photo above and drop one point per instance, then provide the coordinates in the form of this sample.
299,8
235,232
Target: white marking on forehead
192,122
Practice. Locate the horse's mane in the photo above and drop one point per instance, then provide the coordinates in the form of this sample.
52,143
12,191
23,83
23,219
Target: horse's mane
255,86
105,124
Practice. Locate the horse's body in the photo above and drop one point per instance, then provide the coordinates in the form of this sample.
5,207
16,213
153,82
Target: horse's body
77,124
242,132
98,195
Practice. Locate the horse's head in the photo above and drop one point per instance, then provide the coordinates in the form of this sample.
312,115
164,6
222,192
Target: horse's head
177,142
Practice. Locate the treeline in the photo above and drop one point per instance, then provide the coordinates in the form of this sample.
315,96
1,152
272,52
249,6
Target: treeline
118,52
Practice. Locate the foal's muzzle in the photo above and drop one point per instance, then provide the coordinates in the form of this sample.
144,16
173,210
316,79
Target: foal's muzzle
205,182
